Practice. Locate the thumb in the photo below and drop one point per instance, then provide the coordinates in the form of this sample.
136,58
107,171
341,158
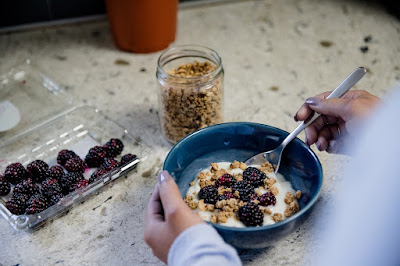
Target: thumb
336,107
169,191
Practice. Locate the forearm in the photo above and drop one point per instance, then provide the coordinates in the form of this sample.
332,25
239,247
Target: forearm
202,245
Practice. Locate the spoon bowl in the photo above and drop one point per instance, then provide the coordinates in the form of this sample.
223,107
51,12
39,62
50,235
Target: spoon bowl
274,156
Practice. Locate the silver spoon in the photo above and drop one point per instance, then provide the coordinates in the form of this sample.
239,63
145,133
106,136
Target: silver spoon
274,156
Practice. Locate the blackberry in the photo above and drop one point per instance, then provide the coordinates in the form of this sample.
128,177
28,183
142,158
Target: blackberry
69,180
254,176
267,199
15,172
127,158
27,187
5,186
226,180
209,194
55,172
226,196
64,155
253,197
97,174
49,182
245,189
114,147
95,156
17,204
75,165
81,183
54,199
51,187
37,203
37,170
251,215
109,164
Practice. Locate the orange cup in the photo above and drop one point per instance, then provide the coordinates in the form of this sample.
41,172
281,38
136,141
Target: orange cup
142,26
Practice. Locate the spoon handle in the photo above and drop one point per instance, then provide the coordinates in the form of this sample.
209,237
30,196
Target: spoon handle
345,86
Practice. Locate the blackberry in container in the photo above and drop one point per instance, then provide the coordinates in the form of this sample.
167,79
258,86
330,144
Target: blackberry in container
39,147
190,79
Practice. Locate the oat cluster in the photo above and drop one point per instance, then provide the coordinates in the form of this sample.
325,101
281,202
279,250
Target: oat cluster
190,103
226,207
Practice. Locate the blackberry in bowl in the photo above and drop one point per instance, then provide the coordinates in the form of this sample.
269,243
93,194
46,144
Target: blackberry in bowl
239,141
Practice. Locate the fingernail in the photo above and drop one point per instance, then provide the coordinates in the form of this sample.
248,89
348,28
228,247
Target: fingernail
313,101
318,145
332,145
306,141
163,176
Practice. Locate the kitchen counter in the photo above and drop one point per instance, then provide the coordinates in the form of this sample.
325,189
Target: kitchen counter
275,55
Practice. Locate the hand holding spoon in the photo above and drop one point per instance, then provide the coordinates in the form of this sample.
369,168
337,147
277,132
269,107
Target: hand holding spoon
274,156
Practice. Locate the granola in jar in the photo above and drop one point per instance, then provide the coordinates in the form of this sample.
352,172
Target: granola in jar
191,90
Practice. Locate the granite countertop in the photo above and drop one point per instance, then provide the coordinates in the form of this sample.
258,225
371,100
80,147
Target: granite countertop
275,55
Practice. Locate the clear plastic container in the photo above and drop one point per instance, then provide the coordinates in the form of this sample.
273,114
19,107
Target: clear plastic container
190,81
74,128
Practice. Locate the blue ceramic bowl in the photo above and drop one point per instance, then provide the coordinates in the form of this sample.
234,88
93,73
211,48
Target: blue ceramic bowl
239,141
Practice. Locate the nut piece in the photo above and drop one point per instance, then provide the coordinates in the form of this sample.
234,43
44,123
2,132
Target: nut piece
213,218
269,182
202,206
239,177
267,167
189,198
291,209
189,201
276,217
243,166
274,190
202,183
266,210
289,197
202,176
214,166
230,206
192,205
220,173
223,190
222,217
298,194
210,207
235,164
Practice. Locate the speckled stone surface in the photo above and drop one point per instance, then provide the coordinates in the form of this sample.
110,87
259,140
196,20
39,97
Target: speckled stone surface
275,55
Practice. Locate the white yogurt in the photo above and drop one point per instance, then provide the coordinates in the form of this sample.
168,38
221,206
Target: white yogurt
282,185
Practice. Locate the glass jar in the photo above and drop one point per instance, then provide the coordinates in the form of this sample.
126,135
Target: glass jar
190,79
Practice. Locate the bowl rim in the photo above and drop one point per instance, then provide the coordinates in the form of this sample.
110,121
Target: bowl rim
304,210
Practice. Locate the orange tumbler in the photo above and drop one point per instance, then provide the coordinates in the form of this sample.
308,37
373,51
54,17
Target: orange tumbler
142,26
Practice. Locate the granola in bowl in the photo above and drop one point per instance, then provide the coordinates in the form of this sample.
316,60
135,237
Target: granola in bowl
237,195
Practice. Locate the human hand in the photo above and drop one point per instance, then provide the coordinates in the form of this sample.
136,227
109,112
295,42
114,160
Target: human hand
339,117
167,216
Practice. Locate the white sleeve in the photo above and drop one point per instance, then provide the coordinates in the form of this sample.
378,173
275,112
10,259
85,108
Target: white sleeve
201,245
364,228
